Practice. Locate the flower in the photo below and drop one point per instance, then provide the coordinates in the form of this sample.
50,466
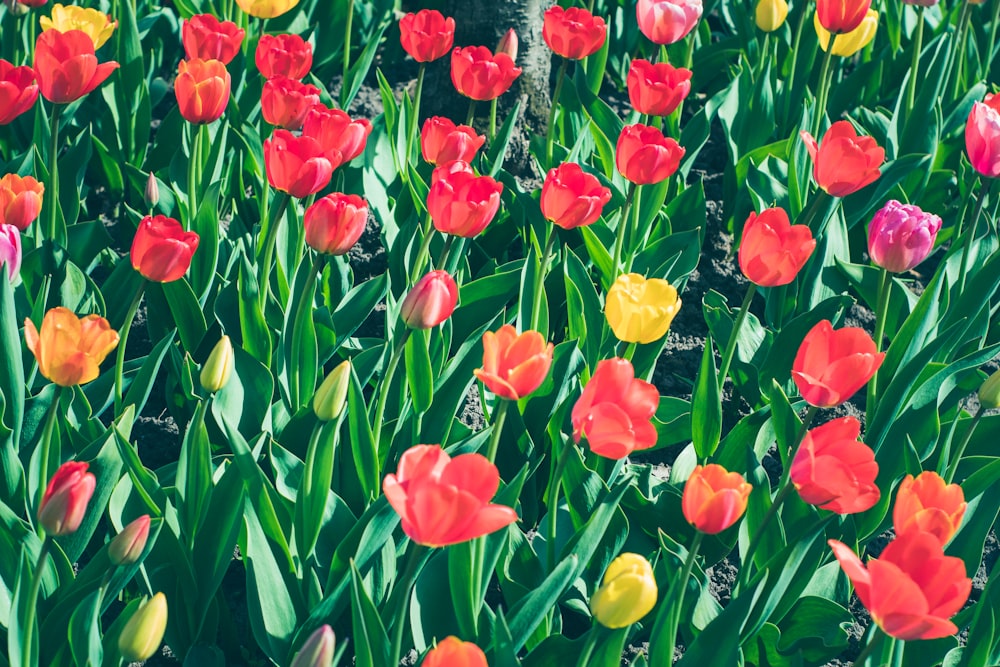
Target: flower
640,310
714,499
341,138
218,367
573,33
834,471
266,9
128,545
571,197
443,500
514,365
844,162
318,650
928,503
912,589
296,165
627,593
841,16
66,66
442,141
667,21
97,25
20,200
64,503
18,91
284,102
989,392
331,397
901,236
334,223
151,194
453,652
848,43
431,301
770,14
426,35
283,55
207,38
69,350
162,250
615,411
831,366
773,251
643,155
143,633
202,88
508,44
657,89
10,250
479,74
982,136
461,203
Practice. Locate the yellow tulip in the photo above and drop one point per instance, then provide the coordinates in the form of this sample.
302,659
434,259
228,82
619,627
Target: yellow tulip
266,9
218,367
97,25
989,392
849,43
69,350
770,14
627,593
331,396
640,310
143,633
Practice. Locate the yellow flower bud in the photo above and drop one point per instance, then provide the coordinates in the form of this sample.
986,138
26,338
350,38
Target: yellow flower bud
770,14
627,593
989,392
641,310
143,633
331,396
266,9
849,43
218,367
98,26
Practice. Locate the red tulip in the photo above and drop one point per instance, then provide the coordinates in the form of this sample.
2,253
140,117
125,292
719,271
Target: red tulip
32,3
341,138
773,251
514,365
207,38
645,156
573,33
426,35
335,223
571,197
284,102
66,67
442,141
831,366
912,589
834,471
844,162
283,55
463,204
615,411
162,250
202,88
657,89
449,169
453,652
714,498
443,500
431,301
840,16
479,74
64,503
928,504
296,165
982,136
20,200
667,21
18,91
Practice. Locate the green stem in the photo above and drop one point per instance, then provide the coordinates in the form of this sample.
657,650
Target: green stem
988,54
383,392
305,304
970,235
796,43
46,444
955,60
551,127
593,635
194,167
957,456
536,302
679,587
555,485
622,226
52,187
411,125
423,252
918,40
32,604
499,416
881,312
273,223
493,119
122,341
347,47
449,241
764,56
470,115
399,604
727,356
629,351
867,652
824,87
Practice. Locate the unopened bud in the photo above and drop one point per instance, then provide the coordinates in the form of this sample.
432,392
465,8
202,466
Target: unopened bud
989,392
508,44
143,633
152,193
129,544
431,301
318,649
331,396
770,14
218,367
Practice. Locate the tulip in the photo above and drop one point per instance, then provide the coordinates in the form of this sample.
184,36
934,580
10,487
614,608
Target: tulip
20,200
508,44
479,74
627,593
844,162
849,43
442,141
296,165
912,589
20,7
284,102
65,501
151,195
97,25
334,223
129,544
841,16
514,365
615,411
449,169
443,500
266,9
770,14
431,301
571,197
341,138
773,251
285,55
69,350
640,310
453,652
66,66
573,33
426,35
10,250
162,250
657,89
901,236
982,136
834,471
143,633
207,38
331,397
667,21
202,88
18,91
989,392
928,503
318,650
831,366
218,367
645,156
714,499
463,204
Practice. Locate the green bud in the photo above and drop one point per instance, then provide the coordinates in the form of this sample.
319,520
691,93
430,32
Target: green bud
331,396
218,367
129,544
143,633
989,392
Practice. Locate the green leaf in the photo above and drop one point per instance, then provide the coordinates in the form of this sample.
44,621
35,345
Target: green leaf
359,70
12,396
419,375
706,406
85,631
532,609
363,445
186,312
370,638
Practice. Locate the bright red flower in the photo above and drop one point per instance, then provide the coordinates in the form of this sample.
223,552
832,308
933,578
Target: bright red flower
296,165
461,203
667,21
18,91
442,141
573,33
835,471
284,102
839,16
844,162
162,250
66,66
714,498
514,365
571,197
615,411
773,251
334,223
453,652
831,366
64,503
645,156
283,55
426,35
479,74
982,136
431,301
342,139
929,504
20,200
202,88
207,38
657,89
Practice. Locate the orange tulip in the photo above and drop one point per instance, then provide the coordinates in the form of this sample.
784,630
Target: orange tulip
929,504
514,365
844,162
714,498
831,366
773,251
69,350
20,200
834,471
453,652
202,88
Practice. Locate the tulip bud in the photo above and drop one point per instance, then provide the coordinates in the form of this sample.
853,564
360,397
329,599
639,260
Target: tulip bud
508,44
152,193
143,633
627,593
770,14
129,544
218,367
318,649
10,251
431,301
64,503
329,400
989,392
17,8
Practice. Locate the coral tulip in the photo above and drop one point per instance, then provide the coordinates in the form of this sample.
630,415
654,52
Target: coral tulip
982,136
714,499
443,500
97,25
162,250
207,38
847,44
64,503
912,589
901,236
640,310
769,15
341,138
928,503
657,89
835,471
667,21
128,545
426,35
573,33
334,223
453,652
431,301
571,197
831,366
463,204
442,141
627,593
20,200
143,633
284,102
66,66
202,88
18,91
844,162
296,165
841,16
10,250
773,251
218,368
479,74
319,649
615,411
283,55
69,350
514,365
643,155
26,3
267,9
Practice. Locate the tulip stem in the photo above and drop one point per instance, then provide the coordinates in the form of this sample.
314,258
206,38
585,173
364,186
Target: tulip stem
881,312
622,226
273,222
536,303
123,339
449,240
970,235
383,391
404,586
630,351
796,41
46,444
952,74
866,653
953,465
499,416
347,51
306,300
678,587
918,40
32,604
593,636
551,127
555,485
988,55
824,87
194,169
493,119
411,124
52,187
470,116
423,252
727,356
